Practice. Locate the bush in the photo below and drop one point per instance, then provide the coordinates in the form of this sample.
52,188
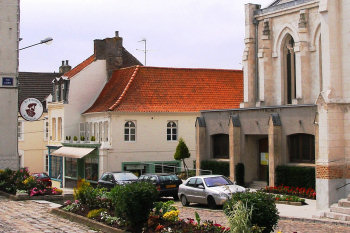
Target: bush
264,214
217,167
10,180
90,196
239,173
134,202
95,213
303,177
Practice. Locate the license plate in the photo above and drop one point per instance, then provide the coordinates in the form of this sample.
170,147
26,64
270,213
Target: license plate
170,186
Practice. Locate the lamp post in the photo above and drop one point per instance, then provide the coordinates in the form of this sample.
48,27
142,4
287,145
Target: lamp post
47,41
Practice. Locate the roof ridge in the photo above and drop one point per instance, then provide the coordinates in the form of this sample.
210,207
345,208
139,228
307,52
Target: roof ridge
192,68
71,73
125,89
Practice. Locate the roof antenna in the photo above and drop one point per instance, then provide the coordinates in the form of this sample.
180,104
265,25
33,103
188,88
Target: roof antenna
144,50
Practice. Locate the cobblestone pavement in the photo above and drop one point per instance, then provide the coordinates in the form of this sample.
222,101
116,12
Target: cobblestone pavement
284,226
30,216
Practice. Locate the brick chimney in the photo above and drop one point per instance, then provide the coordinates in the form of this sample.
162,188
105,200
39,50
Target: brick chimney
64,67
111,50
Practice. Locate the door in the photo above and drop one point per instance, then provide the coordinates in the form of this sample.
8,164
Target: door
263,159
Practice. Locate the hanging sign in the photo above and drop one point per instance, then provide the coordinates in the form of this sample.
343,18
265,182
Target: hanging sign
31,109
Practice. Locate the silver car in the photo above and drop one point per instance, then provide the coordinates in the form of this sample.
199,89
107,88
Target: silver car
212,190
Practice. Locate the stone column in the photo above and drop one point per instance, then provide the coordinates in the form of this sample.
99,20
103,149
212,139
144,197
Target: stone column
275,146
200,142
234,144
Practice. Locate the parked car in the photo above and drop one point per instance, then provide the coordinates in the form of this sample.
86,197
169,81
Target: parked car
43,177
166,184
110,179
211,190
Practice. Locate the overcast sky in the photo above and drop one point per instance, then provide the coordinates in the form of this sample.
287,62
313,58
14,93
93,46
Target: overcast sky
179,33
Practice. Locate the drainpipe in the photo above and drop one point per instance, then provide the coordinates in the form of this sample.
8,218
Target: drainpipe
256,23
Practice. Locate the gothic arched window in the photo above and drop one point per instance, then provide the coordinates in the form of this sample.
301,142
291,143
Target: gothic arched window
289,70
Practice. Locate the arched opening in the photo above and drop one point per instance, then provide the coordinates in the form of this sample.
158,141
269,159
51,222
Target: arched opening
220,147
301,148
289,69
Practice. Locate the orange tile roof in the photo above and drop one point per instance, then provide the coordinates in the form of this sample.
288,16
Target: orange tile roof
79,67
157,89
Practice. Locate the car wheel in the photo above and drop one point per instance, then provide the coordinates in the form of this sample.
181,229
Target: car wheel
184,201
211,202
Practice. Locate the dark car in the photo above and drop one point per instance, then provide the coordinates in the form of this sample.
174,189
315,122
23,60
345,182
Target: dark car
111,179
43,177
166,184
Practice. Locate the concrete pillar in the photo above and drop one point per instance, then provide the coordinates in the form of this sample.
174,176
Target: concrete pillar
275,146
200,143
234,144
302,77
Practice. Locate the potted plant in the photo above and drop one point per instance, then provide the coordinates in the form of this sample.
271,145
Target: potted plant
68,138
82,138
75,139
92,139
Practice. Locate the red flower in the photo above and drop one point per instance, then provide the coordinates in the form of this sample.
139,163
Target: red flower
159,227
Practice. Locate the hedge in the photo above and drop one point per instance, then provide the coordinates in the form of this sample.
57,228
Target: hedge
296,176
217,167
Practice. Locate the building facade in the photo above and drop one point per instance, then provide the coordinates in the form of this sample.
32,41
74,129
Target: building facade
9,34
295,97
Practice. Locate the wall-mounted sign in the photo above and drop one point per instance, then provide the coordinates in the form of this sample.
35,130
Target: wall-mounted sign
7,81
264,159
31,109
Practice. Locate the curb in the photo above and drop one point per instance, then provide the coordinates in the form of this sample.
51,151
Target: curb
85,221
310,220
43,197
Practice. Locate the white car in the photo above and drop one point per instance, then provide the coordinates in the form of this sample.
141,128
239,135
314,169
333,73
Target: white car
212,190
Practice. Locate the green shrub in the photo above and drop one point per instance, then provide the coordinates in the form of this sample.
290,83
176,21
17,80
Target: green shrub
90,196
134,202
160,208
95,213
303,177
264,214
217,167
239,173
11,180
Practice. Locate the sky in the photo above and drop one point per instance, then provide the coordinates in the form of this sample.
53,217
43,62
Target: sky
179,33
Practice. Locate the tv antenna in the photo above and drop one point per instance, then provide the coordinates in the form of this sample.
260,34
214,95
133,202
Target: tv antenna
145,49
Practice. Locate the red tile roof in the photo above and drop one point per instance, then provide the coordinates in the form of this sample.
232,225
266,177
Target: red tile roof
156,89
79,67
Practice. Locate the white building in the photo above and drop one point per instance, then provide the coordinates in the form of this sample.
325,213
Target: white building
9,34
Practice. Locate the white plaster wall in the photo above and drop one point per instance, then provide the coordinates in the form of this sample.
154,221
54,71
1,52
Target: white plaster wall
151,143
345,35
9,10
83,91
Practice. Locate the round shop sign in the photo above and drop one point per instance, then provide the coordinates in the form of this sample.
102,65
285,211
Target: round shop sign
31,109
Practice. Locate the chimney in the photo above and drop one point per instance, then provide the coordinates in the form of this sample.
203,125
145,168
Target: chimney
111,50
64,67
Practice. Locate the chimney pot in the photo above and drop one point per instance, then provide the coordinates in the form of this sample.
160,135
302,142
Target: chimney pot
66,62
62,63
116,33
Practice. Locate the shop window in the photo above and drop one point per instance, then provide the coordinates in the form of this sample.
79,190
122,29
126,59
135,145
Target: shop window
56,167
220,144
301,148
91,168
71,166
130,131
171,131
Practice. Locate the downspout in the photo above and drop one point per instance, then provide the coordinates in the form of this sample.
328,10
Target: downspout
256,23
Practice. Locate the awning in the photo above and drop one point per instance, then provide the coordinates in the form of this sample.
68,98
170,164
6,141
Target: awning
72,152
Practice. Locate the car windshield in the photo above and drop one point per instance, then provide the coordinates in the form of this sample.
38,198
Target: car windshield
168,178
124,176
40,175
217,181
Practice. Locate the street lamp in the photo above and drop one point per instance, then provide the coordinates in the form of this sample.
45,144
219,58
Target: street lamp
47,41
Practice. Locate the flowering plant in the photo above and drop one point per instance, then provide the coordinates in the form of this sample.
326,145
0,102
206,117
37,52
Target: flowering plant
296,191
171,215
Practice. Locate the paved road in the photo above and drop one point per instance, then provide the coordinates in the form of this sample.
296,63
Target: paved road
31,216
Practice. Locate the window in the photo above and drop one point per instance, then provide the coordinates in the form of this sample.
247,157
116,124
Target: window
56,167
105,131
91,168
20,131
220,146
289,61
46,130
96,133
171,132
87,131
130,131
71,165
82,130
301,148
59,136
53,129
46,163
100,129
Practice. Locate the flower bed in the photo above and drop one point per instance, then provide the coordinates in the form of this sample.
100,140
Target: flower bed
290,200
295,191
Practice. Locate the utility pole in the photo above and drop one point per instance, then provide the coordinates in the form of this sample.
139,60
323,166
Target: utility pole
144,50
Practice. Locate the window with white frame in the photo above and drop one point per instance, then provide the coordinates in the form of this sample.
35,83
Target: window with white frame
20,130
130,131
100,129
82,130
46,129
59,128
87,131
171,131
53,129
105,131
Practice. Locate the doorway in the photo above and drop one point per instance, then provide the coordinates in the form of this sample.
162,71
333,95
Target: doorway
263,156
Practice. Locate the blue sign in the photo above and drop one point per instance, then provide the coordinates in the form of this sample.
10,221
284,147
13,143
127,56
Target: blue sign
7,81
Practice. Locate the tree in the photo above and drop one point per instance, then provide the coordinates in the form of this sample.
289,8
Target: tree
182,153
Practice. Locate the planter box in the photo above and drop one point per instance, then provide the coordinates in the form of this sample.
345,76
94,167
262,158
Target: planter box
85,221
